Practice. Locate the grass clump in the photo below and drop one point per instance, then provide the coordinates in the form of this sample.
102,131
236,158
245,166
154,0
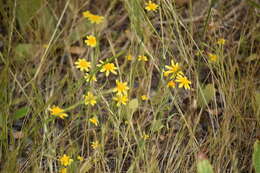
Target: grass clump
128,86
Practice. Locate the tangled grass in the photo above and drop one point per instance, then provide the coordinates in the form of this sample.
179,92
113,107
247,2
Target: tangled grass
128,85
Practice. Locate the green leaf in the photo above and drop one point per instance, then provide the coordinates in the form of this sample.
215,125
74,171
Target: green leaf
46,18
252,57
26,10
205,95
257,98
1,120
204,166
79,31
23,50
156,125
86,166
133,104
254,4
256,156
20,113
257,104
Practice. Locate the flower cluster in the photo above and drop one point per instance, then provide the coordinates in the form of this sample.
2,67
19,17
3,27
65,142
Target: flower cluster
176,75
121,93
129,57
121,89
213,57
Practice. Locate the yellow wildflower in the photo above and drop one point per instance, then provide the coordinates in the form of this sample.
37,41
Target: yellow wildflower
212,57
144,97
171,84
121,88
63,170
129,57
65,160
93,18
142,58
145,136
120,99
90,99
82,64
183,81
95,145
91,41
107,68
86,14
221,41
94,120
172,69
80,158
57,111
150,6
96,19
90,77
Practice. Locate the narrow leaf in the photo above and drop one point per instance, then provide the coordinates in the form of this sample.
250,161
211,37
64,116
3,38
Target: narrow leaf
203,165
205,95
256,156
20,113
133,104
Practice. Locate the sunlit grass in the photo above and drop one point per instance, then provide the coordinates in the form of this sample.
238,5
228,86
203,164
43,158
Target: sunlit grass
128,86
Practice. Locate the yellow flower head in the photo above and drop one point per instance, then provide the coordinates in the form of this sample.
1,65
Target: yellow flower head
63,170
183,81
145,136
212,57
80,158
94,120
142,58
93,18
86,14
90,99
129,57
91,41
95,145
120,99
171,84
144,97
107,68
221,41
83,65
172,69
150,6
121,88
90,78
96,19
65,160
57,111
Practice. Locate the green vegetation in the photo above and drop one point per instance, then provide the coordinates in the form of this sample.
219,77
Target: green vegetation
177,86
